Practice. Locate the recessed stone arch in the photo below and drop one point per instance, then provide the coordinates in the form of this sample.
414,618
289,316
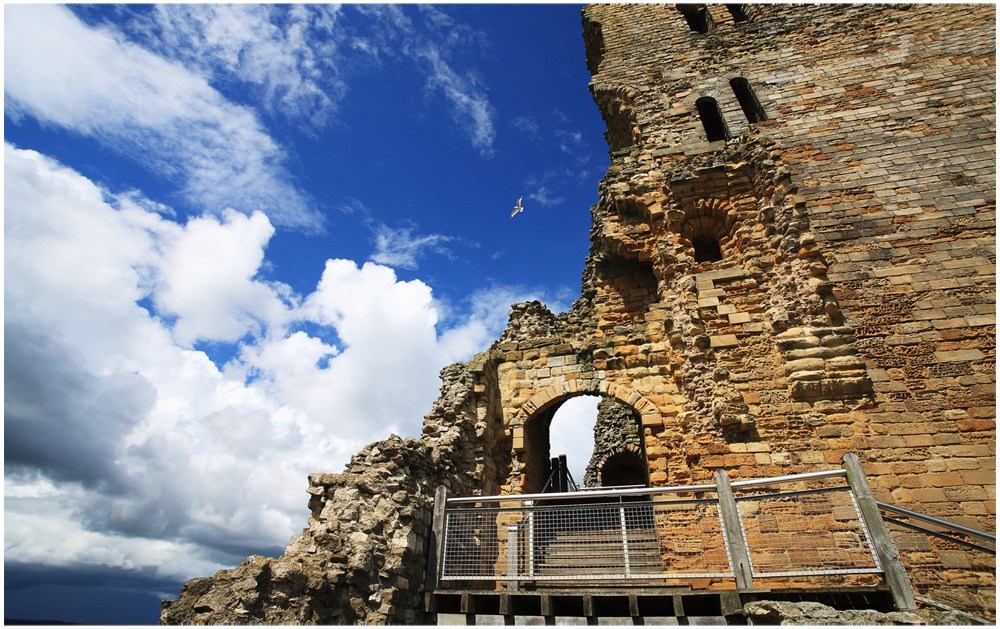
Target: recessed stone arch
623,466
706,224
529,426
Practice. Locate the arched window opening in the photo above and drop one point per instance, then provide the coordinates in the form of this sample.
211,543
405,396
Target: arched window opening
748,100
739,13
711,118
697,17
706,249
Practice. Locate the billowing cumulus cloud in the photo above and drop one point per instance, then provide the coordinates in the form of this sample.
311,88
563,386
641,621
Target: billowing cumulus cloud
165,395
144,443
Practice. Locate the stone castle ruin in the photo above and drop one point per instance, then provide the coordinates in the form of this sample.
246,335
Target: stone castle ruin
792,262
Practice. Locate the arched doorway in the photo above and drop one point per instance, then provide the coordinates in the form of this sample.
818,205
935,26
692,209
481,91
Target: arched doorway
531,432
624,468
571,432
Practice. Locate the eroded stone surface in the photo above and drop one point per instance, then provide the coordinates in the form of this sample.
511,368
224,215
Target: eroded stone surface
817,614
821,282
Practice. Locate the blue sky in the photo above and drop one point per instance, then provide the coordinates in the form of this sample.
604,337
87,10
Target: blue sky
240,242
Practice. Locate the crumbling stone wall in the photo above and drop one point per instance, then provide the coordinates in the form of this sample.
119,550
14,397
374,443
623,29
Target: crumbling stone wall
362,557
818,281
618,457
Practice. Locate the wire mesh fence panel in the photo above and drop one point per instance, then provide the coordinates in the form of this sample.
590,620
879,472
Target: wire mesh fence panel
958,572
472,544
617,540
581,542
806,533
691,539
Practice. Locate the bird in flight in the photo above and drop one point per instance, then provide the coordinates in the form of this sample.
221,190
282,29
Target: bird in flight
517,208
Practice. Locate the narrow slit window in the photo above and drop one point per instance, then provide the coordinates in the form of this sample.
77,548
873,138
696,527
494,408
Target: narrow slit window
711,118
739,13
748,100
696,16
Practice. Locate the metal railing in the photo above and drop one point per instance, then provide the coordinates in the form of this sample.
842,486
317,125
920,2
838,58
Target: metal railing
663,533
951,567
571,536
801,533
560,479
746,530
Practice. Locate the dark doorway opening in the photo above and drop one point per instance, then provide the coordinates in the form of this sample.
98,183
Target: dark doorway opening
623,468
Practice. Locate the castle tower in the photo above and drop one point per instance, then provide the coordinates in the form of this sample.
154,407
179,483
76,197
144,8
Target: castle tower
793,255
792,259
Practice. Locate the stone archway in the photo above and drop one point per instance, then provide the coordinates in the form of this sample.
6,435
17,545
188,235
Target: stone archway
619,456
529,426
623,468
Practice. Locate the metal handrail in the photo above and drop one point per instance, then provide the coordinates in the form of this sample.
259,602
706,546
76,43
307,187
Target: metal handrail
645,491
572,481
543,515
937,521
548,481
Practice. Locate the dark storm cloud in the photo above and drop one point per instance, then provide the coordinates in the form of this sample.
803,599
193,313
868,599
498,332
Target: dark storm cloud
87,596
61,420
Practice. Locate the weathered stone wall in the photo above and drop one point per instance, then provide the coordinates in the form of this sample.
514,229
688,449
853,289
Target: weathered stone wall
618,457
817,614
819,280
853,308
363,555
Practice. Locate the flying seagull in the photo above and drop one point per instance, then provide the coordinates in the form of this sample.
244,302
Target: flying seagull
517,208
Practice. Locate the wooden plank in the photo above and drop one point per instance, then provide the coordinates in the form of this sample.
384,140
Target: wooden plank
734,531
633,605
435,551
731,603
546,605
888,555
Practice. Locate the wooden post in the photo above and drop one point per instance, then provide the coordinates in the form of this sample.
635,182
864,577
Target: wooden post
512,557
895,572
734,531
435,551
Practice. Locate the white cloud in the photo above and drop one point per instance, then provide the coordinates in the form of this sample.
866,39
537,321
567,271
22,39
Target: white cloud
158,113
569,141
471,108
142,446
292,55
433,50
527,124
401,249
545,197
206,279
142,437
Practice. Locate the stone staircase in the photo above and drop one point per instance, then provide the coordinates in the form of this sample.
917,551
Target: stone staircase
598,552
581,557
